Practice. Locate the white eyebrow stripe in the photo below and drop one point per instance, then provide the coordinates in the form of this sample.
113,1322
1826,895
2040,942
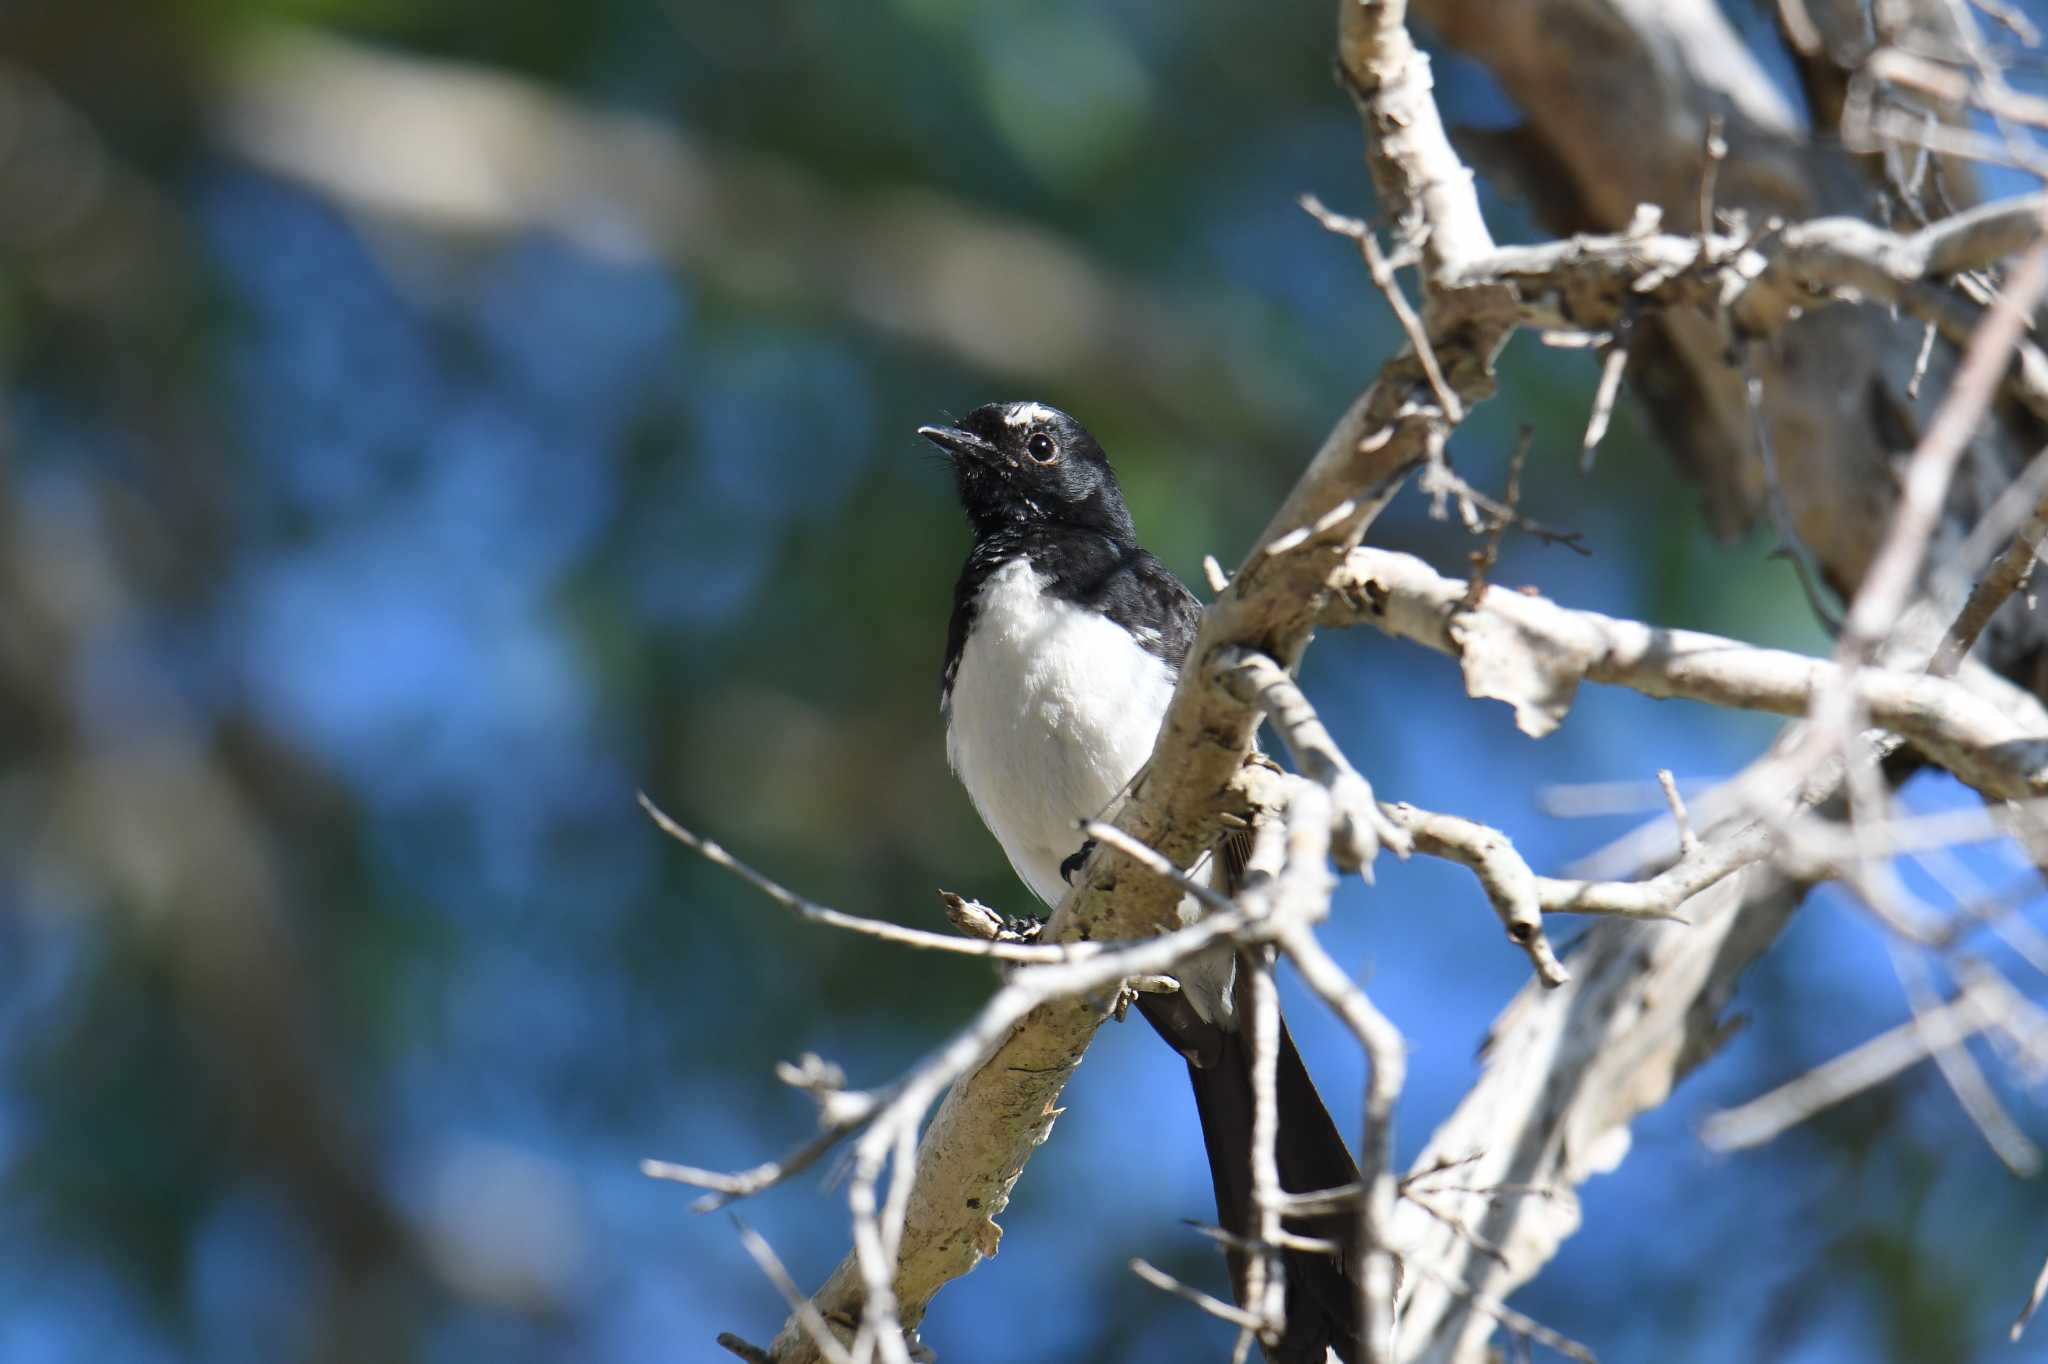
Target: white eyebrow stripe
1024,414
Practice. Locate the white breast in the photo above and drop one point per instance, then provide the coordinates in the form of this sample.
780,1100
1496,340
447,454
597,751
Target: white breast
1054,709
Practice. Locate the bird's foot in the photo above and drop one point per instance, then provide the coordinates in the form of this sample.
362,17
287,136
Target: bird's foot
1072,866
977,920
1128,992
1018,927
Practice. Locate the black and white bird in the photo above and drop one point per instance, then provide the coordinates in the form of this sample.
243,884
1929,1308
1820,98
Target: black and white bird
1065,644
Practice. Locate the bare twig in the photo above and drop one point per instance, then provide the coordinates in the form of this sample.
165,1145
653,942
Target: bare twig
1978,906
2007,575
770,1264
1517,1323
1922,359
1215,1307
1688,841
1838,707
1861,1068
853,923
1965,1078
1265,1274
1612,362
1285,1239
1458,1226
893,1125
1509,884
1790,546
1484,558
1760,284
2033,1305
1386,1073
1914,130
2012,19
753,1354
1711,157
745,1184
1112,837
1383,275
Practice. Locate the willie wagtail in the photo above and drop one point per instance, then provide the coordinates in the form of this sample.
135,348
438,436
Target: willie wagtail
1065,643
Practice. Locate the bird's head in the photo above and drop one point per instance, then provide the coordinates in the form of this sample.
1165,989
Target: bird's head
1026,464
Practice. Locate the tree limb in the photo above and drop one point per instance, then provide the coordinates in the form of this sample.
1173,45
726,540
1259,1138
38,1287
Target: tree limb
1533,654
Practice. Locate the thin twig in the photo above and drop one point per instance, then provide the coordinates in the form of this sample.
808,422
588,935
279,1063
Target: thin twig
1516,1322
2008,574
727,1187
1109,836
1612,362
1215,1307
1791,546
1861,1068
2012,19
1484,558
1265,1273
2019,1325
752,1353
1712,154
853,923
1383,276
793,1297
1922,359
1688,841
1458,1226
1386,1074
1284,1239
1965,1078
1219,581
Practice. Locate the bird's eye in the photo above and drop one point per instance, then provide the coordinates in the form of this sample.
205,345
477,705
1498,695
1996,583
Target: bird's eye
1042,447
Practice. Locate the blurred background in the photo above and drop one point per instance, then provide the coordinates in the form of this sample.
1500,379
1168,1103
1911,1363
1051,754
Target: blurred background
425,422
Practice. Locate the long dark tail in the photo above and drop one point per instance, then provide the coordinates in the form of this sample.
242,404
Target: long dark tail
1322,1303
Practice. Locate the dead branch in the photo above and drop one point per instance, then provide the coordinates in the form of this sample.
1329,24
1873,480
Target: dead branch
1533,654
1510,885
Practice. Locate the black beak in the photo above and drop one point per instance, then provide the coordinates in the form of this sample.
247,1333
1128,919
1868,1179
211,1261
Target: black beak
956,442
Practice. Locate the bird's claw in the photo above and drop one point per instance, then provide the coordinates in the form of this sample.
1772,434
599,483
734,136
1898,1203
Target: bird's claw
1127,992
1018,928
1070,867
